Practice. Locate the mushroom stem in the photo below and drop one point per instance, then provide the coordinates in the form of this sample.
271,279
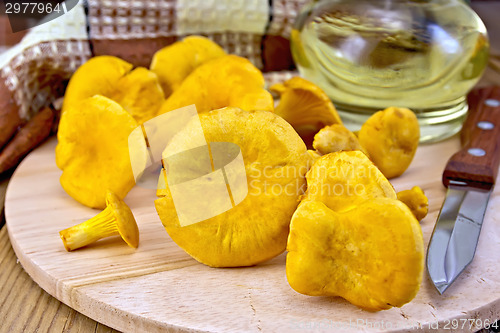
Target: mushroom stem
100,226
115,219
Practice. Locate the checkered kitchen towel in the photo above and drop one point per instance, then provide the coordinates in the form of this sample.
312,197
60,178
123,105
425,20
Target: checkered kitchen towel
34,73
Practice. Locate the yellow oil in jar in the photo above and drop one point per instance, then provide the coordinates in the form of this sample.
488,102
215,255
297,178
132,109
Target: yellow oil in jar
423,55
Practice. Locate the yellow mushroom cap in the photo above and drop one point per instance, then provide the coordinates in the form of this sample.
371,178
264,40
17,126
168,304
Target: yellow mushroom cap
175,62
97,76
305,106
345,179
391,139
228,81
372,255
93,151
416,200
138,91
351,237
335,138
314,155
255,229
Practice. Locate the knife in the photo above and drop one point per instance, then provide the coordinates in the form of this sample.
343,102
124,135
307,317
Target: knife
470,177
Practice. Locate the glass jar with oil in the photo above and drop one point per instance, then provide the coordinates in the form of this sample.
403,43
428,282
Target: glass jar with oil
371,54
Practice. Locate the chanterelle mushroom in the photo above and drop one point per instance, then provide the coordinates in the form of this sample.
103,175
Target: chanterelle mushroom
93,151
228,81
416,200
175,62
305,106
256,229
336,138
138,91
351,237
116,219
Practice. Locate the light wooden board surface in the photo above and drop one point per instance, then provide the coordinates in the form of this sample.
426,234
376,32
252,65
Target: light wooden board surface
158,286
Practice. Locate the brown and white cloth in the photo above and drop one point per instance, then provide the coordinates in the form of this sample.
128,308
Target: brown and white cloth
34,72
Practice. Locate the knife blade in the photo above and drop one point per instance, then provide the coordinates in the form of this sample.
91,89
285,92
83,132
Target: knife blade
469,177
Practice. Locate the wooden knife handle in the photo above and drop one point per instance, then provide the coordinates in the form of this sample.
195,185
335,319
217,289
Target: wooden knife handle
476,164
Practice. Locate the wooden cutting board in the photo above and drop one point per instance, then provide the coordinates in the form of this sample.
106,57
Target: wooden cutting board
158,286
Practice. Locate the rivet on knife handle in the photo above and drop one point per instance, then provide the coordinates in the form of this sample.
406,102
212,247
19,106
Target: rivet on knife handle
476,164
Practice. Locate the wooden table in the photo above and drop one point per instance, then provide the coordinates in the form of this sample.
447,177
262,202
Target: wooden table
25,307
